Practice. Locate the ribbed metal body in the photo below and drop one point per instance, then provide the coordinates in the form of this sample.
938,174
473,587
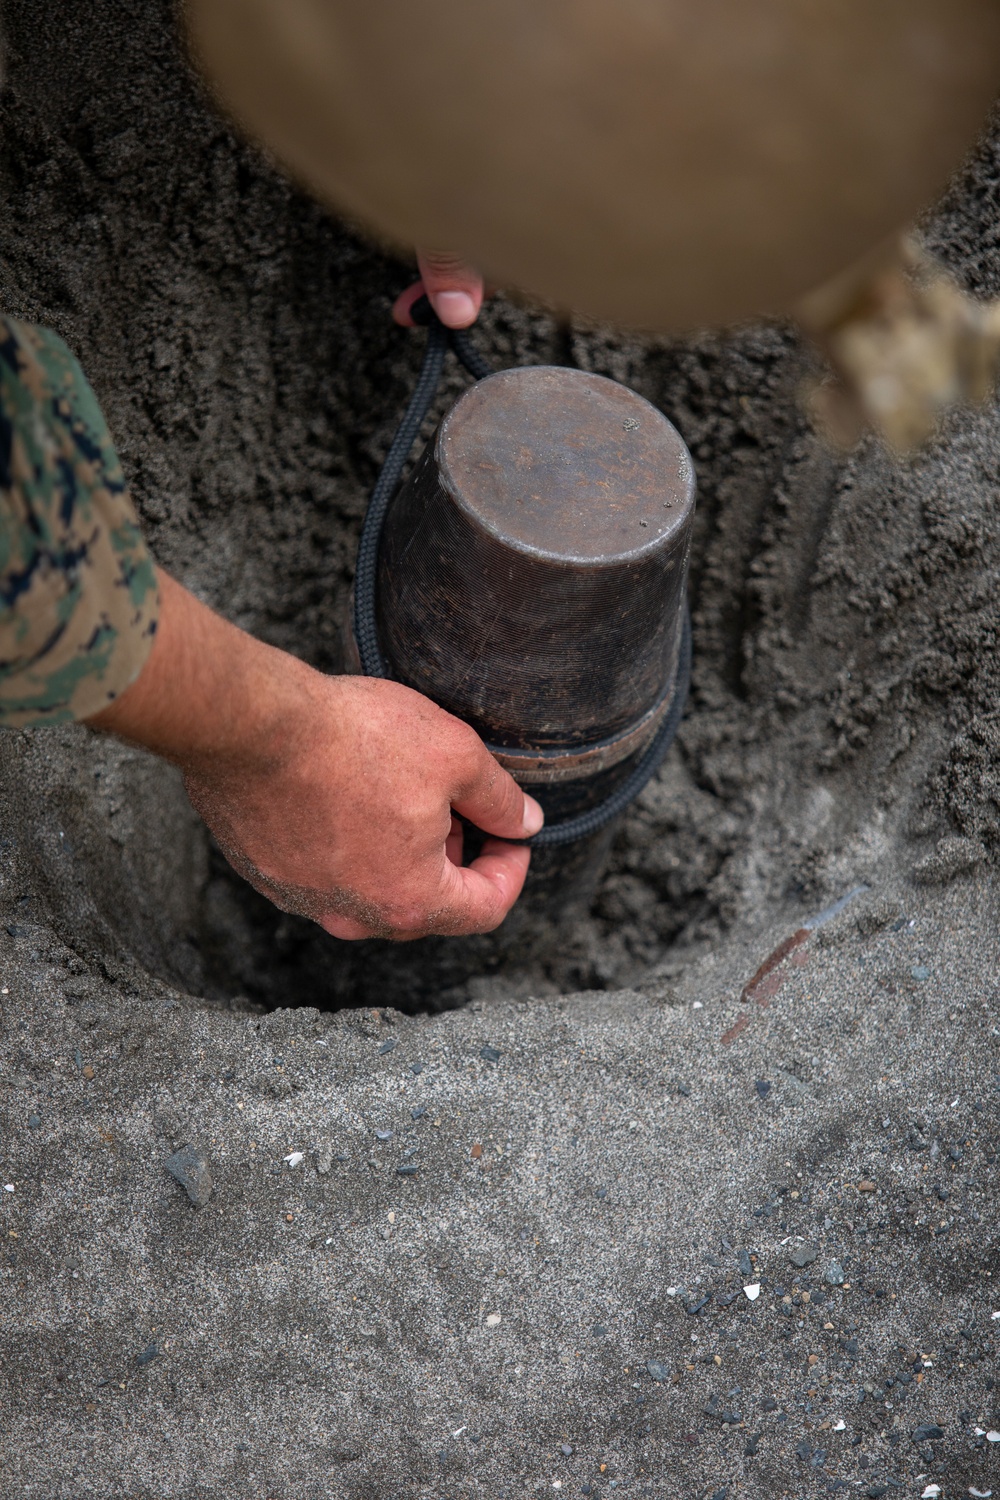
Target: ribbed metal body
532,575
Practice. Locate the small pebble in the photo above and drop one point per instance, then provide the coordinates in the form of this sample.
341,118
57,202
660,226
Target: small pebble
388,1046
601,1192
927,1432
834,1274
920,971
599,1331
489,1054
418,1111
34,1121
657,1370
763,1088
803,1255
745,1263
151,1352
565,1449
383,1135
190,1168
407,1169
416,1069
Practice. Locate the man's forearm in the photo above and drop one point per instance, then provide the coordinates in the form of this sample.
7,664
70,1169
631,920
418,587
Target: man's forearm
208,691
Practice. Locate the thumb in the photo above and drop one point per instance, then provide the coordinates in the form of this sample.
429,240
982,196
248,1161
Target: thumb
490,798
455,290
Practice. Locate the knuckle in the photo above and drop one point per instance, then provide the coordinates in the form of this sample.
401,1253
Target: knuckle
442,260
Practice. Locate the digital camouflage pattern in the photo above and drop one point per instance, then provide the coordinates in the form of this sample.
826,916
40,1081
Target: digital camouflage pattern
78,593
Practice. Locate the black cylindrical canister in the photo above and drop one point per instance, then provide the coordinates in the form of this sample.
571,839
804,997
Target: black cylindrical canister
532,576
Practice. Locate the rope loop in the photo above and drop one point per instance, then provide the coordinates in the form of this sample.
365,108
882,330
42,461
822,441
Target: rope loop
373,663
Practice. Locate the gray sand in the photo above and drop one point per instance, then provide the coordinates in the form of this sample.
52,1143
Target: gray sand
328,1326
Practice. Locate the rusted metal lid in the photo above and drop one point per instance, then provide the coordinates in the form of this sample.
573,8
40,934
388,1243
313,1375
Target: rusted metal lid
566,466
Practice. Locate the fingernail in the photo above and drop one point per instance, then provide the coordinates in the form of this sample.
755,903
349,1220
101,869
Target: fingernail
533,817
455,309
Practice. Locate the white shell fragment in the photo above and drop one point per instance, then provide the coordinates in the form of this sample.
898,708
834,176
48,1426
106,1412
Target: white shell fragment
752,1292
492,1320
294,1157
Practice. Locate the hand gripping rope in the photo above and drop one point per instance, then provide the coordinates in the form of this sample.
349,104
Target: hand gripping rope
373,663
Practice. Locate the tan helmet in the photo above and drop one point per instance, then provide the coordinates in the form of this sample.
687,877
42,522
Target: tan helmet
663,164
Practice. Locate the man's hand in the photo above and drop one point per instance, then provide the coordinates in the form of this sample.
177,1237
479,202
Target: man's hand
334,796
454,290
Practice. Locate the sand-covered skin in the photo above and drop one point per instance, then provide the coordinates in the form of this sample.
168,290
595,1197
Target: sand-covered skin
843,730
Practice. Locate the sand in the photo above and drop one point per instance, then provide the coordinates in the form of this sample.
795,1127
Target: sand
328,1327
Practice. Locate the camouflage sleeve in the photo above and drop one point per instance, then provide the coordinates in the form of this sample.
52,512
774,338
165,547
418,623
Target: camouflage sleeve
78,594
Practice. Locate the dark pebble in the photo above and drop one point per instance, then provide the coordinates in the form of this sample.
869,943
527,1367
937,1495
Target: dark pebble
720,1494
407,1169
151,1352
724,1299
657,1370
753,1443
927,1432
803,1449
190,1168
489,1054
920,972
803,1255
684,1089
416,1069
834,1274
769,1404
745,1263
383,1135
34,1121
388,1046
763,1088
693,1308
417,1111
599,1331
565,1449
601,1193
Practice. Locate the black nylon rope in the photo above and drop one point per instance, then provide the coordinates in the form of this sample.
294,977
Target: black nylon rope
373,664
